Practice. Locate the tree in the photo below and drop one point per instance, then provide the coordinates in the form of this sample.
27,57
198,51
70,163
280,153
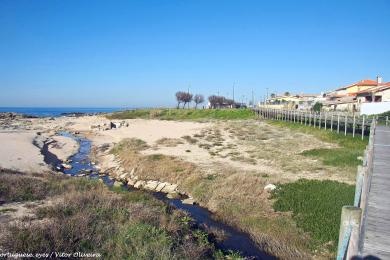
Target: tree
179,97
213,99
317,107
187,98
273,95
287,93
198,99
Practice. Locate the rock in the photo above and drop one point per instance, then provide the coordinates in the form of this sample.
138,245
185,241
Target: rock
169,188
270,187
66,166
151,185
139,184
160,186
173,195
100,180
131,182
117,184
189,201
123,176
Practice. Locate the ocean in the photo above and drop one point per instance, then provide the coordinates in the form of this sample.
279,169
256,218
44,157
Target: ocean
57,111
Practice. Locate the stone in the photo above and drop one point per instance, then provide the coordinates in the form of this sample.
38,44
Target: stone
173,195
131,182
189,201
124,175
160,186
270,187
151,185
169,188
139,184
66,166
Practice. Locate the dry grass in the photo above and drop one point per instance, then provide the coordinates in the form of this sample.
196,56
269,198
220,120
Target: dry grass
154,166
91,218
169,142
243,157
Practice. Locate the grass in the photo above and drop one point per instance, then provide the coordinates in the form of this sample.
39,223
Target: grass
185,114
286,150
345,155
90,218
316,207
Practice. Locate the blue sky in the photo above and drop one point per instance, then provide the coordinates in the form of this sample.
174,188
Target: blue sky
139,53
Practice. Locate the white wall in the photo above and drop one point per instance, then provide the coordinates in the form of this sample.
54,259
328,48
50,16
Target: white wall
374,108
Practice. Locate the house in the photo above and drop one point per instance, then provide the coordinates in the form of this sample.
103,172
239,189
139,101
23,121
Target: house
297,101
350,97
380,93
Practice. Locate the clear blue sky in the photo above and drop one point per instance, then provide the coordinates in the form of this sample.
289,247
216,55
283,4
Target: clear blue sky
139,53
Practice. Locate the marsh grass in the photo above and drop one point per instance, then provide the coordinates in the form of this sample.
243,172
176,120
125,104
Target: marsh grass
185,114
316,207
344,156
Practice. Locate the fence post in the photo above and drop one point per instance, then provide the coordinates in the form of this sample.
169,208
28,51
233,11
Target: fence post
346,125
338,123
387,120
331,123
353,127
349,232
325,119
363,129
319,121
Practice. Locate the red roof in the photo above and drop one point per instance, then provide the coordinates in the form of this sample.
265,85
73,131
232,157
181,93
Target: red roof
364,82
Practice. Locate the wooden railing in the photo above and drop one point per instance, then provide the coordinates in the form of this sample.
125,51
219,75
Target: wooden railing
351,233
338,122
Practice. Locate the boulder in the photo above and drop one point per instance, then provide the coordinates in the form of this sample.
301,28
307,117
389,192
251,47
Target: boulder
131,182
123,176
66,166
173,195
169,188
160,186
189,201
151,185
270,187
139,184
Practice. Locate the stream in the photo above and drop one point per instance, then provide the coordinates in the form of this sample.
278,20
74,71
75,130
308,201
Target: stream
235,240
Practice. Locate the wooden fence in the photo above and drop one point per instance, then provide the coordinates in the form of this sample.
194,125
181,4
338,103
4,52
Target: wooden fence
340,123
351,235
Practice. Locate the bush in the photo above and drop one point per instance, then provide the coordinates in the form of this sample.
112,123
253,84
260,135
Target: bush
317,107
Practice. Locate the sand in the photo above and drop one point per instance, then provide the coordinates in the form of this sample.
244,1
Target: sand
63,147
18,152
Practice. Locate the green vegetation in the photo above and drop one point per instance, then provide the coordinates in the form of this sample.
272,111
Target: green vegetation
316,207
345,155
185,114
90,218
317,107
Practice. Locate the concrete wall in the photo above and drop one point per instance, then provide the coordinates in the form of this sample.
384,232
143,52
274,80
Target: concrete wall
374,108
